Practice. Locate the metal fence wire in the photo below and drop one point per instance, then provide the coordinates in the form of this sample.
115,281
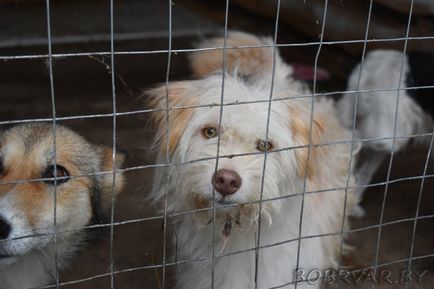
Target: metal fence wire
115,114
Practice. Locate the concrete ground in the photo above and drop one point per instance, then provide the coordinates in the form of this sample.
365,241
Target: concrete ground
82,86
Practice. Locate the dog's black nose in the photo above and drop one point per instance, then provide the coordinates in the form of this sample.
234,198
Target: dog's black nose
5,229
226,182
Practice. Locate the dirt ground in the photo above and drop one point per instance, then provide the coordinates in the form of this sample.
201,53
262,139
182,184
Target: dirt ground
83,87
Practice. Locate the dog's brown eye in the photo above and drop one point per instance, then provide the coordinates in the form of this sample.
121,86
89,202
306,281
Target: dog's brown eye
263,145
61,174
209,132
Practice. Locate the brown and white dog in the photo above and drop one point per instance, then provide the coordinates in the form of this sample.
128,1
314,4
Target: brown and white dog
27,246
222,250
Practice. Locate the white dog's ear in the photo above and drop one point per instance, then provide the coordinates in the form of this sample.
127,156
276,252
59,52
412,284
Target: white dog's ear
300,127
105,181
180,99
247,61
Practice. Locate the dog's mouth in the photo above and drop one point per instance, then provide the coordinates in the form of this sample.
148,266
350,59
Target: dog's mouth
200,201
4,254
223,201
6,258
226,202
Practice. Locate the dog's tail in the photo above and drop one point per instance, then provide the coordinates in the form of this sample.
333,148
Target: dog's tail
246,55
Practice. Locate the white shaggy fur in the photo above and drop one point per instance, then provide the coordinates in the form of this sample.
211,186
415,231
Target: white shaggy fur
190,186
376,110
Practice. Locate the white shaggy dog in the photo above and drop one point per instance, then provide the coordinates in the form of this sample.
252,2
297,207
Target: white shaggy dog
234,189
376,109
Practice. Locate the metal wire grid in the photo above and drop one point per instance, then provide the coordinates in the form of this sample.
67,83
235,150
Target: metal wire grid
53,108
112,53
392,153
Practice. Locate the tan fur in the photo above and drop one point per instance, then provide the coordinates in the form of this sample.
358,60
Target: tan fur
199,202
325,129
30,201
306,136
33,196
246,60
178,118
107,179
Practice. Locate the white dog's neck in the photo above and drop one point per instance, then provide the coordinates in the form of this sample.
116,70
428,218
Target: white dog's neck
236,270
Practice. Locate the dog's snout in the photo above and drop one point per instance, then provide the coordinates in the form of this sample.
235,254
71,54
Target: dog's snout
226,182
5,229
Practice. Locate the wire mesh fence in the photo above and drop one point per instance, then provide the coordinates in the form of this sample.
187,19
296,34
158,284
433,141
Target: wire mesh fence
167,161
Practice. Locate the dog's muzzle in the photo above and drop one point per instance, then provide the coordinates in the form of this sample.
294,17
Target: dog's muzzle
5,230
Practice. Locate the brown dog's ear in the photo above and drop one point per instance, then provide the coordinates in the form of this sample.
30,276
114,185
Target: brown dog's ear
179,95
106,180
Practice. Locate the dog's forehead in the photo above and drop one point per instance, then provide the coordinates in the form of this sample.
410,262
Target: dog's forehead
233,90
248,119
35,143
246,107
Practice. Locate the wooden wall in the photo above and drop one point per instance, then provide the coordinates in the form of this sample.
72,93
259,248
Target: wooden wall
300,21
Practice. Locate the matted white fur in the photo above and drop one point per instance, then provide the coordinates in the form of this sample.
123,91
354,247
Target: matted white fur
190,185
376,110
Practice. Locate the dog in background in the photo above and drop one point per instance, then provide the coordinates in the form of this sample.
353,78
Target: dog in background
375,111
234,188
27,248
